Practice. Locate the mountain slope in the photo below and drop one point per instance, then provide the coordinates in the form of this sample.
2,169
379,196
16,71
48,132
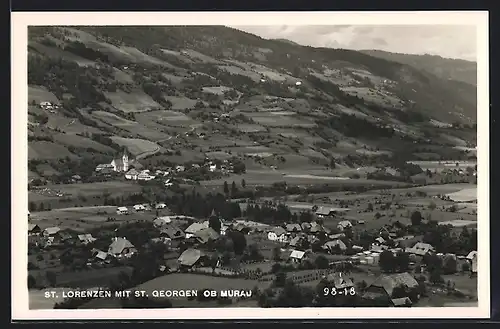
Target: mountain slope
213,91
445,68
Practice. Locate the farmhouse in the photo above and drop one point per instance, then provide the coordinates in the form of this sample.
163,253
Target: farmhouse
277,234
172,232
323,212
162,221
297,256
401,302
335,244
99,255
50,231
305,226
206,234
160,206
132,174
122,211
145,176
121,164
293,228
339,281
316,228
104,166
121,247
139,207
407,241
386,287
296,241
420,249
86,238
472,258
34,229
343,225
195,227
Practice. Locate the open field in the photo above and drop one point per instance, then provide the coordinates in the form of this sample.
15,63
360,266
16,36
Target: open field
59,53
40,94
465,195
219,155
165,116
112,119
181,103
197,56
43,150
268,177
82,142
270,120
240,71
136,146
122,77
145,58
440,165
174,79
82,219
70,125
136,101
219,90
51,192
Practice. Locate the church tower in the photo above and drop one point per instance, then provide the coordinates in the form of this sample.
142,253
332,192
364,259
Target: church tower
125,161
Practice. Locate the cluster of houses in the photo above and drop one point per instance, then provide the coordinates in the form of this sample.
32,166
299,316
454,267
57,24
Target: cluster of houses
49,106
131,169
52,236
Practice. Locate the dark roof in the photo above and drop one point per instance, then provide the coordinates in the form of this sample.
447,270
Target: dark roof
389,282
173,232
339,281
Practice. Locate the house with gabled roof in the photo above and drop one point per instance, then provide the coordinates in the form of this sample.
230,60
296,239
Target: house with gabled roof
86,238
335,244
277,234
472,259
162,221
191,230
172,232
297,256
344,225
296,241
206,234
293,228
339,281
50,231
34,229
121,247
384,287
132,174
420,249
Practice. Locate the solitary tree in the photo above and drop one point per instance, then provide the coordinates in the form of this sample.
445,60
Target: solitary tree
226,188
416,218
234,189
321,262
243,183
387,261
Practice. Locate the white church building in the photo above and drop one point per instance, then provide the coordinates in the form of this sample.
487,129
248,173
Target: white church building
121,164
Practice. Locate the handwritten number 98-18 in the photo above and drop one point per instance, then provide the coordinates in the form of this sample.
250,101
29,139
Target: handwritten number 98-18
334,291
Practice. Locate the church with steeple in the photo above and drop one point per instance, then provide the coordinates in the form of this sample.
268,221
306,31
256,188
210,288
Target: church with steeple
121,163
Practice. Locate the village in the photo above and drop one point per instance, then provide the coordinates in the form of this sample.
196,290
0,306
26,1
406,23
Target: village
316,245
